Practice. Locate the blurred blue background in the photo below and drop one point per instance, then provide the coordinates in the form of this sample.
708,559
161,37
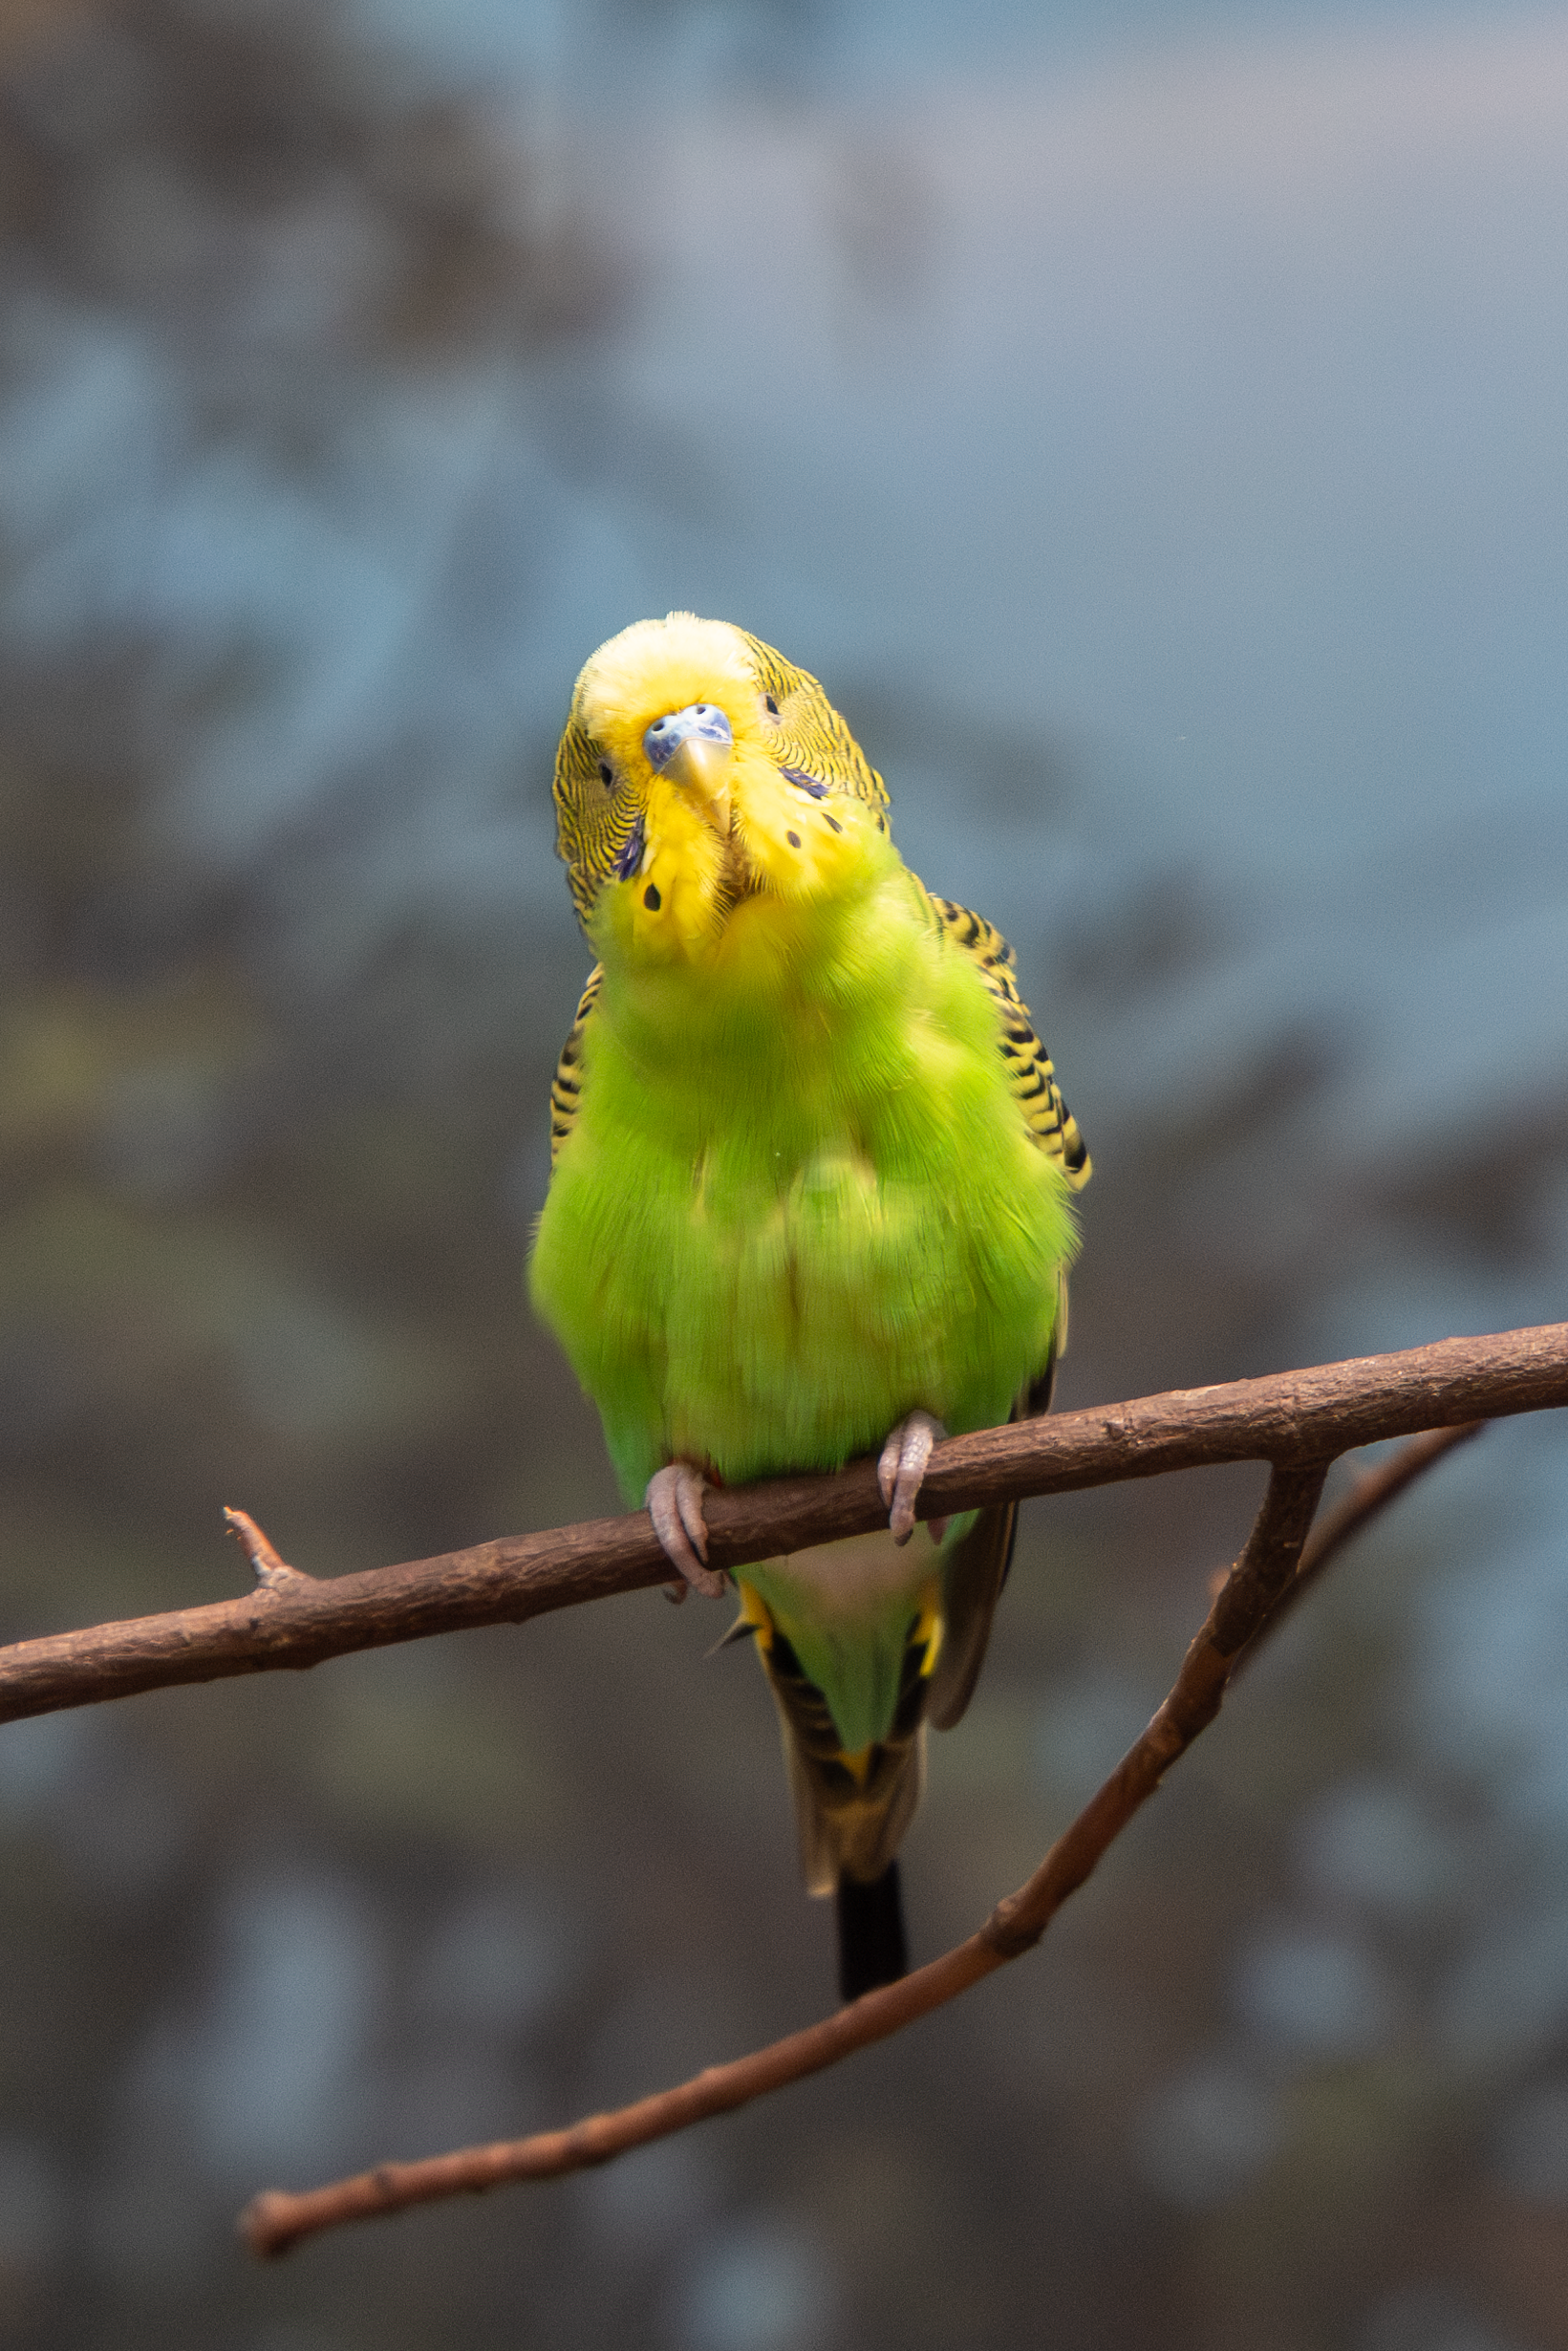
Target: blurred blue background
1151,424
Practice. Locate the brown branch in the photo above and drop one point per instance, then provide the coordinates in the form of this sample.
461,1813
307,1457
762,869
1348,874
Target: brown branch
276,2219
1280,1562
1370,1494
296,1620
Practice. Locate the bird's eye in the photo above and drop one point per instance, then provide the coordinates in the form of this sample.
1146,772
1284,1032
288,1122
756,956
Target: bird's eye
608,772
770,706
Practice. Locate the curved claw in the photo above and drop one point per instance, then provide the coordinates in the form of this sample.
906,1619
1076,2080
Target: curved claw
675,1504
900,1467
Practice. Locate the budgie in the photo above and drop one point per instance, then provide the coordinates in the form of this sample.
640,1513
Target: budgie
811,1197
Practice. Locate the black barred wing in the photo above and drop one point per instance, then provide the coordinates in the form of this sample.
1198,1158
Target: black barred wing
975,1564
1035,1089
565,1087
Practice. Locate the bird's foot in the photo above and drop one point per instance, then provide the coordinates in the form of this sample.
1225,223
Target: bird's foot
900,1468
675,1504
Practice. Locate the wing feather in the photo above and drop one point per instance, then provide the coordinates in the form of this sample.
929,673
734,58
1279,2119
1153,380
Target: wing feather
975,1569
565,1087
1029,1067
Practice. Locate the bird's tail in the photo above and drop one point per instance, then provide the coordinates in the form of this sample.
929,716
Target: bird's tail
851,1810
873,1948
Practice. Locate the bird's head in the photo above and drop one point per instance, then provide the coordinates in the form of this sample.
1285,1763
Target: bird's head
705,789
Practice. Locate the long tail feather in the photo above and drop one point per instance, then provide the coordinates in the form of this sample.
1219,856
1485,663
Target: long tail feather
850,1810
873,1947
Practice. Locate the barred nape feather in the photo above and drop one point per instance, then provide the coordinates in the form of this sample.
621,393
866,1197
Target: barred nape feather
811,737
597,812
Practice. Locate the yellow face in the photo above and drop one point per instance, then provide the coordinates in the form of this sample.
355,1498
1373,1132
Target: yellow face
705,785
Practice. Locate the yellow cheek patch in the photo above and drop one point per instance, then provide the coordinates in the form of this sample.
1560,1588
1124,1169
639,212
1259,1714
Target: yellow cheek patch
795,845
667,910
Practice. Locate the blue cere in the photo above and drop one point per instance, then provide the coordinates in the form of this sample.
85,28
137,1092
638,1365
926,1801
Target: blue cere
665,737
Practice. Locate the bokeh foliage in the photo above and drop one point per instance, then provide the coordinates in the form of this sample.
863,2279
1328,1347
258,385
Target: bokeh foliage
286,962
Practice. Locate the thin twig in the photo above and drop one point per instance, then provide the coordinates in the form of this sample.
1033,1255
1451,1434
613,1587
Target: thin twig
276,2219
265,1563
294,1619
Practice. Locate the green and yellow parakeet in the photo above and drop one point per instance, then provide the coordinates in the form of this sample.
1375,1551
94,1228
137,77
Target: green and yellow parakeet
810,1197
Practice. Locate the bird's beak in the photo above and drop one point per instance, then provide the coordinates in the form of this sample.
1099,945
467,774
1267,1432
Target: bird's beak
701,767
